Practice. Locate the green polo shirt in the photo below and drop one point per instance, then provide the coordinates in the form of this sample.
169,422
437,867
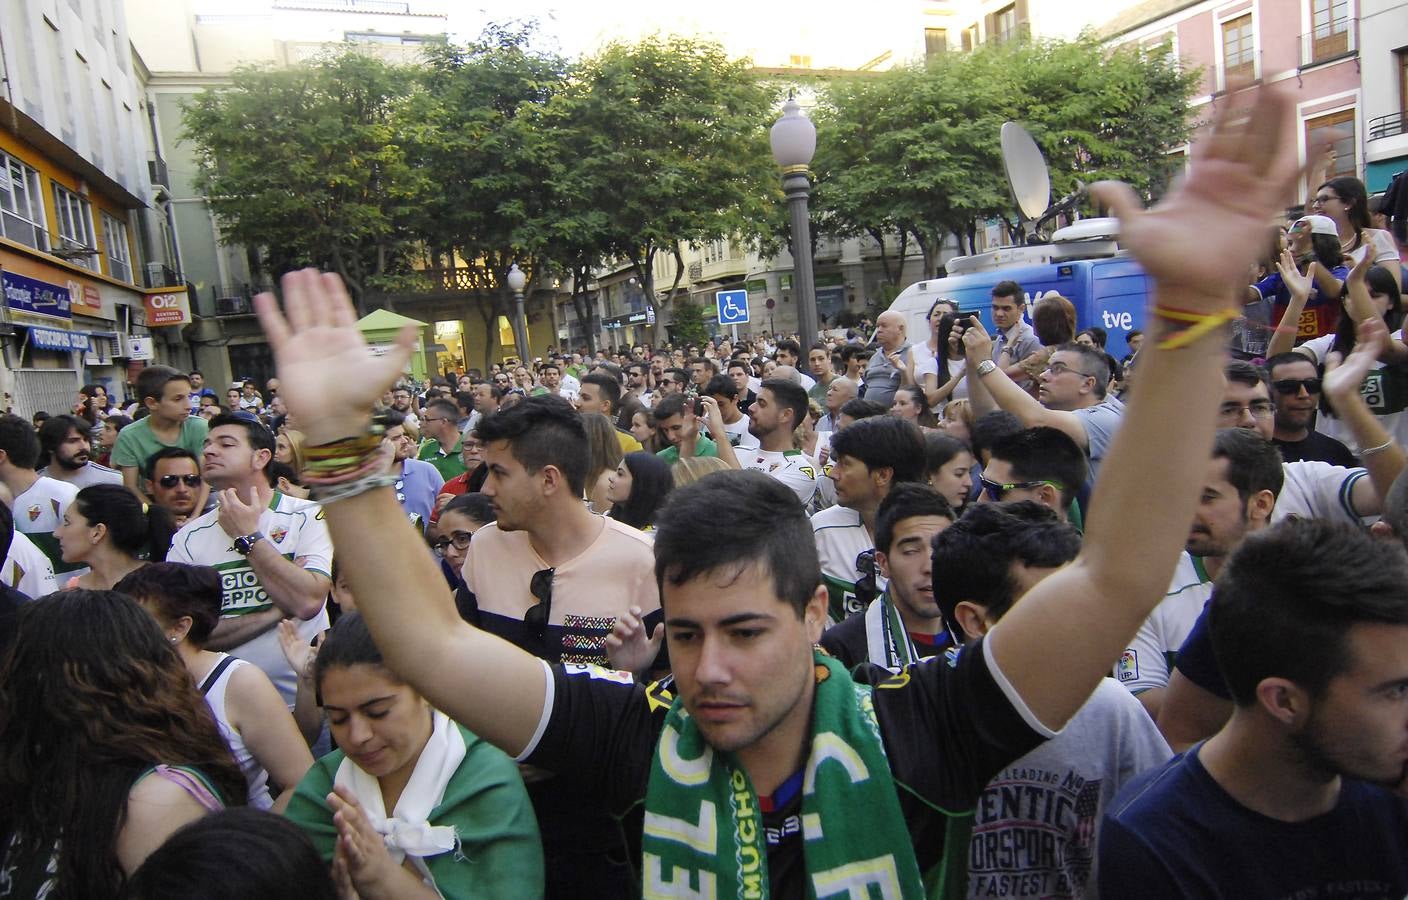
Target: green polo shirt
447,464
702,447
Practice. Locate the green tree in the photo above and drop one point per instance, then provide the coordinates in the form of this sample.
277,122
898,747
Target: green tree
688,325
306,164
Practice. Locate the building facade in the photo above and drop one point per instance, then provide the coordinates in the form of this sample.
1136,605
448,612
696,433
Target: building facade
89,270
1383,51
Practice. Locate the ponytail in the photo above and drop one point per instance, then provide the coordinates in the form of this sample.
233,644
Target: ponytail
140,530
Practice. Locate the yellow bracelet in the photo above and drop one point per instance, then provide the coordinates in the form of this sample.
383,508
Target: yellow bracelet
1201,325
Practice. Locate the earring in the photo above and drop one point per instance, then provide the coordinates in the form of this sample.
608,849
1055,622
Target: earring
176,640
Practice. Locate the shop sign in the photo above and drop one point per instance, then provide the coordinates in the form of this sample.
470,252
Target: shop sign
168,309
57,339
35,297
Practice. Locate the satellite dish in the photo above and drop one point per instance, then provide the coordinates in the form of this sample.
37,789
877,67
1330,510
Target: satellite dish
1026,170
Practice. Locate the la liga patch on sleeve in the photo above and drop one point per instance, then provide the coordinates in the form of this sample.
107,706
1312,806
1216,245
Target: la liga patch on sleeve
1128,668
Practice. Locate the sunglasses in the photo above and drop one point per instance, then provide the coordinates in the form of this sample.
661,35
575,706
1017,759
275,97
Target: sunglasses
866,586
170,481
459,538
536,618
995,491
1291,386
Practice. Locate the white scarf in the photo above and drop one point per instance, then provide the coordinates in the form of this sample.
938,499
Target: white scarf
885,647
408,832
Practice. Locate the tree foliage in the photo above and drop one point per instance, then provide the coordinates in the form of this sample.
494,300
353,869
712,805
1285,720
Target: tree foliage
914,151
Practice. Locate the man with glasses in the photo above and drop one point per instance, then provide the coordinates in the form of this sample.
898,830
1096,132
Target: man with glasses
1040,464
440,438
1071,394
403,402
638,383
868,458
1296,384
173,482
417,483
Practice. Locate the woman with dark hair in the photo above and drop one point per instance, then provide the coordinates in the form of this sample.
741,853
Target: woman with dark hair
638,488
234,854
411,804
947,380
603,454
948,467
1054,321
106,746
643,429
185,602
1346,201
112,532
1312,261
459,520
909,404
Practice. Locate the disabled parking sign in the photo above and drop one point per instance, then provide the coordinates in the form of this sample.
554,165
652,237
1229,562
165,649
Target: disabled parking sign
733,307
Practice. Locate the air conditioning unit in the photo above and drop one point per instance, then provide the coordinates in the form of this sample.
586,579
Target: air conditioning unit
233,306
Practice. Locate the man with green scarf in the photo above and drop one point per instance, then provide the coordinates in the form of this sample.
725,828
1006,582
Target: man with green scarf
903,625
864,786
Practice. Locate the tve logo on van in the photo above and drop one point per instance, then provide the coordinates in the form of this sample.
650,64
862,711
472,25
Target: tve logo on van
1124,321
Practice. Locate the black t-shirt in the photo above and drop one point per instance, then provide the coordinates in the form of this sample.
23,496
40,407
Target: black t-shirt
846,640
1197,661
1317,447
948,728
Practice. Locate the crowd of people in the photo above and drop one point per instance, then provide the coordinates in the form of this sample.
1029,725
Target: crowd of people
959,613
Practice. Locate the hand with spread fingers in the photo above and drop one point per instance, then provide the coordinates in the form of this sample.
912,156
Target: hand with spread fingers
1238,180
330,379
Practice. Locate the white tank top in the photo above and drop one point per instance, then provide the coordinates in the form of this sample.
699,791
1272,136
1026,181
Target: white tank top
258,779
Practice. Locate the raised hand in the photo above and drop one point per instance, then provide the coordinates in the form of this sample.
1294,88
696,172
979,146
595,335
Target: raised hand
1343,377
1296,283
1238,180
977,343
299,653
330,379
628,647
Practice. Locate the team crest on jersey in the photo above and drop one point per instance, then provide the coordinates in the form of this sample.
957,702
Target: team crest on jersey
34,512
278,534
598,672
1128,668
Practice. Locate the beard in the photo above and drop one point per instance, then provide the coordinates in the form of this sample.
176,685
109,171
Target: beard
72,463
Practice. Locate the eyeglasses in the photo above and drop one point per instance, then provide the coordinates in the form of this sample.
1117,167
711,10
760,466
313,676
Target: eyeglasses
1292,386
1059,368
1260,409
1322,199
536,618
428,419
996,491
867,588
170,481
459,538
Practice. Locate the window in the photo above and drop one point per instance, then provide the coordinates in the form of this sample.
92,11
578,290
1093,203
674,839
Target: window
21,210
970,37
799,61
75,218
115,239
935,41
1402,59
1329,29
1002,25
1335,130
1238,51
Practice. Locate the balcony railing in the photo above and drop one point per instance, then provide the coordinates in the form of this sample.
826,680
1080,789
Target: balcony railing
1329,40
235,299
1386,126
158,275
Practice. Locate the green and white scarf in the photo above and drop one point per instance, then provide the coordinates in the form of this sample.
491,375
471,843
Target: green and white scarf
887,641
704,833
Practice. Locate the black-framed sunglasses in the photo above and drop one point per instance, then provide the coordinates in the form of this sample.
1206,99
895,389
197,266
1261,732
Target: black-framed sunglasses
1291,386
170,481
995,491
536,618
460,539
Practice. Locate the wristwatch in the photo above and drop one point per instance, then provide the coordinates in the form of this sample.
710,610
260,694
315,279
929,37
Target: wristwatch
985,367
244,544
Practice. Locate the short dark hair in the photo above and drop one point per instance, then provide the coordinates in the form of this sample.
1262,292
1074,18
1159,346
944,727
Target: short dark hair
152,381
790,346
234,853
669,406
789,396
348,643
259,437
55,431
767,527
973,557
1010,289
1239,371
706,362
610,387
19,441
906,501
549,365
446,408
542,431
1253,462
859,408
1288,595
991,427
149,467
1285,359
721,386
1045,454
475,505
1097,334
177,590
742,364
883,442
677,375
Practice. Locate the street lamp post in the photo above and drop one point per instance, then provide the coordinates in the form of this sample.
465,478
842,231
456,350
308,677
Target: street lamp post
793,139
516,281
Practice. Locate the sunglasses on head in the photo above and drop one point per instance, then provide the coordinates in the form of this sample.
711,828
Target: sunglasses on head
995,491
170,481
536,618
1291,386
